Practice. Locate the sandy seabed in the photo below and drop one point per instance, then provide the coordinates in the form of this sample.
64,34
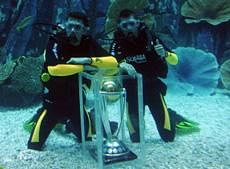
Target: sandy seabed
207,149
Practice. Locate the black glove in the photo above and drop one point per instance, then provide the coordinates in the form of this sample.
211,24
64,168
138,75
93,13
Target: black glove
159,49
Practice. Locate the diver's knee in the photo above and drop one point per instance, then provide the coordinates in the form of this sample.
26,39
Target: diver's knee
34,146
168,139
168,136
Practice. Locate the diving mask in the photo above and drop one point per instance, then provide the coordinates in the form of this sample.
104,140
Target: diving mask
75,29
74,26
129,25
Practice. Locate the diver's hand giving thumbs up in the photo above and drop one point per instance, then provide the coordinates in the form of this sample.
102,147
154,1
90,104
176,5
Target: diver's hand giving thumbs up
159,49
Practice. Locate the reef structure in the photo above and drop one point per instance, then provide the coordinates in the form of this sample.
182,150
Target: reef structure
212,11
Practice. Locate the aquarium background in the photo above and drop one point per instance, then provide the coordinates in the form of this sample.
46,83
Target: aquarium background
198,87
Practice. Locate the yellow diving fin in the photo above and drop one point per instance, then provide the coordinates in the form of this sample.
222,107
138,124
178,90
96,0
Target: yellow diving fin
171,58
65,69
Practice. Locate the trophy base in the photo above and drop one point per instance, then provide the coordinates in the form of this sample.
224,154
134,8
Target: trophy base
114,151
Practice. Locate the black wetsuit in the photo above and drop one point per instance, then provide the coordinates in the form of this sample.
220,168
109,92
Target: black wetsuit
61,94
140,53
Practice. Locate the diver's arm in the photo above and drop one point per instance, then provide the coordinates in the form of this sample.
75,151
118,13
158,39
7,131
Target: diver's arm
50,53
128,68
53,66
100,58
161,68
99,62
170,56
106,62
78,64
115,51
157,64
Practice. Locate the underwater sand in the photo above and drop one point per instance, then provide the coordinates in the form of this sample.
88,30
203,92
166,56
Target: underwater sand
207,149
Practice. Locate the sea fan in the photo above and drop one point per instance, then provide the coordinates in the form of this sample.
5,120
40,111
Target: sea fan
225,74
6,70
26,75
212,11
196,72
22,85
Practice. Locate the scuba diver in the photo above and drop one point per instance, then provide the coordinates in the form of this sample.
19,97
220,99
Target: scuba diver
138,50
68,52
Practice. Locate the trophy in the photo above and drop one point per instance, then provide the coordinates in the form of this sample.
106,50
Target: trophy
113,149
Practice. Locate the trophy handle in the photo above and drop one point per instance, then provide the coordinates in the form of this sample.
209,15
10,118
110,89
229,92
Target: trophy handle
105,117
122,109
105,113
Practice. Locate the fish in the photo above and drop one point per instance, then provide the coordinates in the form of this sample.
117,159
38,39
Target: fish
24,23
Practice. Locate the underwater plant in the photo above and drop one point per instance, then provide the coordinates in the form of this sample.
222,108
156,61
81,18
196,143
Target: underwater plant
24,23
196,72
2,16
225,74
26,74
226,55
6,70
212,11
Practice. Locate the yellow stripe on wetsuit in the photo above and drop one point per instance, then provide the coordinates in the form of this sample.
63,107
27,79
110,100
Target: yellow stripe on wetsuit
35,136
167,118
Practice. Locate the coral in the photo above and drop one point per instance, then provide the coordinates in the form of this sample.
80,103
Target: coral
117,6
211,11
225,74
6,70
197,69
225,56
2,16
24,23
26,78
149,20
167,39
21,83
